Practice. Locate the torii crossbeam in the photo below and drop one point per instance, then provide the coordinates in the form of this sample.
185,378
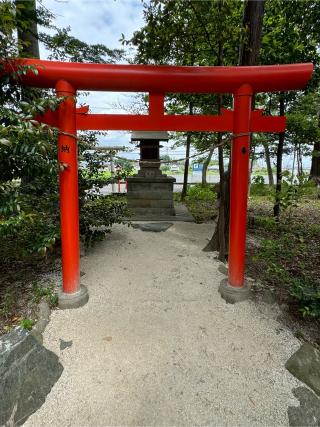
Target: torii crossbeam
242,82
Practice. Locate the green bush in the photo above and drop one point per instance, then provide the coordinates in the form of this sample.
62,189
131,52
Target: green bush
165,168
29,195
294,188
200,200
308,296
98,215
201,192
258,187
29,205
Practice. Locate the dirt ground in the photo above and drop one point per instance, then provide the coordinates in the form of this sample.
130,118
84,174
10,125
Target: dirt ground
157,345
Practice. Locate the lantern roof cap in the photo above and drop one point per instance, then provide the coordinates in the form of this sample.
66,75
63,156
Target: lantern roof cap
147,135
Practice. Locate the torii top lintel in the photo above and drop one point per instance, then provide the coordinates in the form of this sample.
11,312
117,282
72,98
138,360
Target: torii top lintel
162,79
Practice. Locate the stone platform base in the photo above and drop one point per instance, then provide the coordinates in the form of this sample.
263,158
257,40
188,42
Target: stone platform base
151,196
181,214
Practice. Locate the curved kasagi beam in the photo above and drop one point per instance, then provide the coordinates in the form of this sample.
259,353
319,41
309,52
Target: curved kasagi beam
162,79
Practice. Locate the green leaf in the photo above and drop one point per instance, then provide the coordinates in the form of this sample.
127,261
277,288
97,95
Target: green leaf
4,141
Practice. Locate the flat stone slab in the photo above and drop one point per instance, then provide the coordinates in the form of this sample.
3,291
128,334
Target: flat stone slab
152,179
304,364
181,215
27,373
153,226
308,413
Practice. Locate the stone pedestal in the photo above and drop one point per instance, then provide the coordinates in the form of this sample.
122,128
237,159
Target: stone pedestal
150,193
151,196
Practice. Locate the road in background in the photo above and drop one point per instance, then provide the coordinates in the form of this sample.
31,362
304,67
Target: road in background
194,178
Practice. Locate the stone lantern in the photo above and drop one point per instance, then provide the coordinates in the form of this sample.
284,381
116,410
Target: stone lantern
150,192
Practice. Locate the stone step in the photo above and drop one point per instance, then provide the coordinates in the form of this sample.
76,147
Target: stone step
150,186
150,194
153,211
150,203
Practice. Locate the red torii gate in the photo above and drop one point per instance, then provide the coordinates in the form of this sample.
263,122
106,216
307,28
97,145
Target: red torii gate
242,82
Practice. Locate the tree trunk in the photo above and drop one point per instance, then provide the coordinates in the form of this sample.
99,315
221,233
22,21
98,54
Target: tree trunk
186,163
315,163
28,42
299,160
252,20
252,159
268,162
276,208
27,32
293,163
186,168
220,239
248,55
205,167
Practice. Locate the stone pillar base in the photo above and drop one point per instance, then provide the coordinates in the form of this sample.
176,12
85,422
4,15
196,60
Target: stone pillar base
232,294
74,300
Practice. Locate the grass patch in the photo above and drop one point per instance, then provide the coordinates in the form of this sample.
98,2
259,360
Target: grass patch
288,256
201,202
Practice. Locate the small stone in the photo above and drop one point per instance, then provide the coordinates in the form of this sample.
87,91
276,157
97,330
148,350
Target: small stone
304,364
65,344
44,310
268,297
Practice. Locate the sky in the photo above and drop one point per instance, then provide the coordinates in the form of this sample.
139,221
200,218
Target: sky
100,21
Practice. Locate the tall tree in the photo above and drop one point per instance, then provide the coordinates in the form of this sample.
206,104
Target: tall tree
291,34
276,207
304,130
315,161
248,55
186,162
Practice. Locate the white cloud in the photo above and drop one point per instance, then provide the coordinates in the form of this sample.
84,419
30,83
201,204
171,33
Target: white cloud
99,21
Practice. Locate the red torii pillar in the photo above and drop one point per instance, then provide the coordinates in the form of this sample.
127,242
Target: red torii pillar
73,295
67,78
235,288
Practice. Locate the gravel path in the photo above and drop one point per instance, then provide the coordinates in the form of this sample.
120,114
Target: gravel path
156,344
